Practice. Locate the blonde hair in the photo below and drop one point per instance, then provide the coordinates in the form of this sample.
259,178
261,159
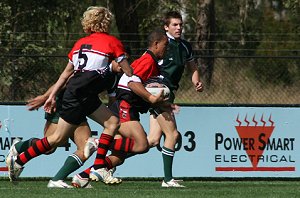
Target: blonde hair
96,19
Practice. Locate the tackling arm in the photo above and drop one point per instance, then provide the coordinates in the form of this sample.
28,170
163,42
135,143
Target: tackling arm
65,75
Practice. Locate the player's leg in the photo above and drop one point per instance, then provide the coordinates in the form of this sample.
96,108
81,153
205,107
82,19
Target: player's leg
19,146
133,133
77,159
167,122
110,123
155,132
42,146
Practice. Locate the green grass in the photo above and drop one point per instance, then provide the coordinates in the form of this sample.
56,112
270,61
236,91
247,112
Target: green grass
132,189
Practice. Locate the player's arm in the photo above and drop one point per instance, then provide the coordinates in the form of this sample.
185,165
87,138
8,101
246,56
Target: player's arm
139,89
37,102
192,66
126,68
50,103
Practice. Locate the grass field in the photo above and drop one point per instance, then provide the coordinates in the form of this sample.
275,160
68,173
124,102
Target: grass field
143,189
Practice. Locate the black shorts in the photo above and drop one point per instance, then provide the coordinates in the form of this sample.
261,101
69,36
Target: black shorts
81,95
74,110
124,111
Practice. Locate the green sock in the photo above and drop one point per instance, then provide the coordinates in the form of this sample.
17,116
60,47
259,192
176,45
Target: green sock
168,156
72,163
23,145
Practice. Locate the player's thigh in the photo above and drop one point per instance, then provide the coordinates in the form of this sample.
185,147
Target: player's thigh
167,123
49,128
62,133
155,131
81,134
104,117
134,130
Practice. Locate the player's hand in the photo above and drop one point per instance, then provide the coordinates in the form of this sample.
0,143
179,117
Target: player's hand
175,108
36,103
50,105
154,99
199,86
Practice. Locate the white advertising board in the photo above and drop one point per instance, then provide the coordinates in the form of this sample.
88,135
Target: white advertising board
215,142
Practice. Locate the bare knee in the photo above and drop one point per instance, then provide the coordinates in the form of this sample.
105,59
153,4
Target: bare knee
153,141
112,126
56,140
141,148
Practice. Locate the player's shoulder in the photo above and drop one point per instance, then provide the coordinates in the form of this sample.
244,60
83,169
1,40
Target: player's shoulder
145,59
186,43
110,37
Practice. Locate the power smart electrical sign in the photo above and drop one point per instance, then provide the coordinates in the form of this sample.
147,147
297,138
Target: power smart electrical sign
254,146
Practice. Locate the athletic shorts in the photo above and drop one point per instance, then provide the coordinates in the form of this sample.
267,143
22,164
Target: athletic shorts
124,111
52,117
74,110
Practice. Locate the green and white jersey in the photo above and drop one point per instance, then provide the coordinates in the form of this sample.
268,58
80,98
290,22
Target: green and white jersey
172,66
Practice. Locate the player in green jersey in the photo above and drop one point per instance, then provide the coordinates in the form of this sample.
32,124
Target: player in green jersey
179,55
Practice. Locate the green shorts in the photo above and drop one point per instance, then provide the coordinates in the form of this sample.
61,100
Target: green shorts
52,117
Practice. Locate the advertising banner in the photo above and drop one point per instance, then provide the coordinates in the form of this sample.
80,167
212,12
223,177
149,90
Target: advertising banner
215,141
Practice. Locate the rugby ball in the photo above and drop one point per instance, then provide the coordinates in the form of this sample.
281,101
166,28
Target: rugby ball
155,88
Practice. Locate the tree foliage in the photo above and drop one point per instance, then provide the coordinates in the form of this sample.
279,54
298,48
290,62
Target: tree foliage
37,35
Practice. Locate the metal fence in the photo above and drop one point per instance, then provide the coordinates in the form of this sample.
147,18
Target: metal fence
235,80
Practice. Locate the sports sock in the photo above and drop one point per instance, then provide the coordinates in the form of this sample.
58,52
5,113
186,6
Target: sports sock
86,173
108,163
72,163
24,145
39,147
122,144
104,143
168,156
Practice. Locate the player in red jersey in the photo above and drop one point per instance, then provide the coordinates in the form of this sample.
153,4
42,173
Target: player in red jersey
90,58
133,99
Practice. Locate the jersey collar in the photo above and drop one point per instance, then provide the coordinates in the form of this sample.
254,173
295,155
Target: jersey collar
172,37
152,55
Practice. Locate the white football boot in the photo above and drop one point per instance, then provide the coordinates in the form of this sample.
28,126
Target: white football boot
14,169
110,179
104,175
171,184
12,151
79,182
58,184
90,147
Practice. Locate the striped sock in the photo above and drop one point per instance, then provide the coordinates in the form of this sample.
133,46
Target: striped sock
72,163
108,163
24,145
168,156
104,143
122,144
39,147
86,173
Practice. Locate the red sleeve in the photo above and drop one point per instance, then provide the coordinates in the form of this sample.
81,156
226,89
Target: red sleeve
117,47
144,68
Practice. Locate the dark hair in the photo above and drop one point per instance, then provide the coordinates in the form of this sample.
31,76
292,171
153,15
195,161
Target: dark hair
156,35
171,15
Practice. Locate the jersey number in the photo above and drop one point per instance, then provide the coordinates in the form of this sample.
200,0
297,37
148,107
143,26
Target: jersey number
83,56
